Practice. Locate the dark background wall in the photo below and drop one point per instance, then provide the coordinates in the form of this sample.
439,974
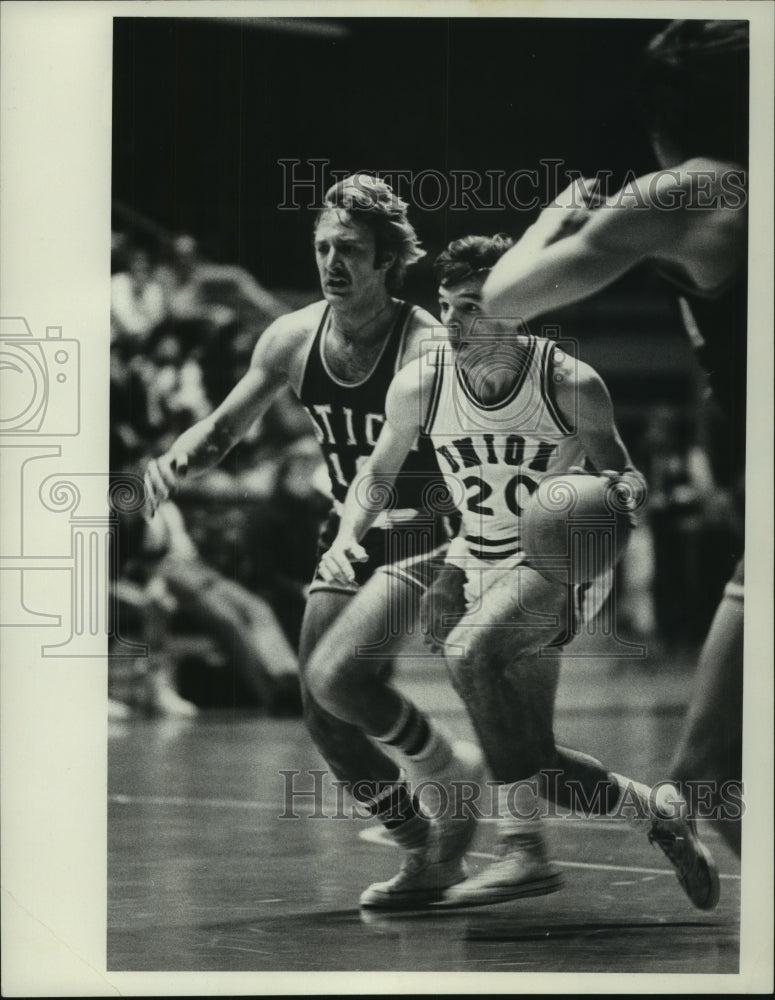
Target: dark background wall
205,110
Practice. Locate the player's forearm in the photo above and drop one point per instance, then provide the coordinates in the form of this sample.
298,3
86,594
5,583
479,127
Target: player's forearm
608,453
604,447
249,288
205,444
263,299
369,494
209,440
529,281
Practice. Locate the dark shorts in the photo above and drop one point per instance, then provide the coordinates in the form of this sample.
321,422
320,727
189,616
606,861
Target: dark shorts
409,549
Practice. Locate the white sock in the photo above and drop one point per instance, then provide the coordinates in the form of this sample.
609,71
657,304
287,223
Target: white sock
519,809
667,801
635,803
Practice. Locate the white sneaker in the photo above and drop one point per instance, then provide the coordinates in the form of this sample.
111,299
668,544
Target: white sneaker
522,869
421,880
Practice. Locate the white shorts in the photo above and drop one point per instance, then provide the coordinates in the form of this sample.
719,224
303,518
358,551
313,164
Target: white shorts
482,574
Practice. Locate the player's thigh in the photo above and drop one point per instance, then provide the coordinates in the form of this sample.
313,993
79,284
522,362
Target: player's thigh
443,603
517,613
373,626
322,610
711,744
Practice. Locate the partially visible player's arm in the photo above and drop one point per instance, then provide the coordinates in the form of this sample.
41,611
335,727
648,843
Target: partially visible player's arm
583,400
371,490
179,543
248,287
545,272
204,445
422,335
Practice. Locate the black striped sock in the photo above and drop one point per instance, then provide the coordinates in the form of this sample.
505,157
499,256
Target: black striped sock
412,732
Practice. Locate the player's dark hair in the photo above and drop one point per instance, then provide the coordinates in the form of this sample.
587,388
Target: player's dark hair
371,201
693,84
468,255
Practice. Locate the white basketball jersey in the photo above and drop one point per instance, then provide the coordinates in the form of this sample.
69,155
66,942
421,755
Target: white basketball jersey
494,456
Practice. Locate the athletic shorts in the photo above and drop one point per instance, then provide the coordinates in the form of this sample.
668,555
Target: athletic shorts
410,547
459,582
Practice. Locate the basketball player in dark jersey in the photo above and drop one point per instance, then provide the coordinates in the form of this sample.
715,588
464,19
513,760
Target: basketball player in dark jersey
503,412
339,357
688,221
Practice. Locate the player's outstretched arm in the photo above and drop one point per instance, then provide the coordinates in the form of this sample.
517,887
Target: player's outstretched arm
556,264
248,286
204,445
372,489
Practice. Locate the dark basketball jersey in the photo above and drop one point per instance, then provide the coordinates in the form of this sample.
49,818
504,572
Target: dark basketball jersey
716,323
717,326
348,417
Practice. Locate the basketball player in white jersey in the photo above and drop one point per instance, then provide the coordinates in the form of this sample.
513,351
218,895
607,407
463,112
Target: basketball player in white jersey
504,410
688,223
339,356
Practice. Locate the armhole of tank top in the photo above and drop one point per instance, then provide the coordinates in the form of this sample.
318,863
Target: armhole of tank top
404,318
314,339
435,395
547,389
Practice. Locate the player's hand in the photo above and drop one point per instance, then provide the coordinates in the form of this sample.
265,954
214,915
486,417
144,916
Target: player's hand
631,487
336,565
163,477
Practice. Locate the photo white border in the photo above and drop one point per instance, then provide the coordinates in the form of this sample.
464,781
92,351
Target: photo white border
55,171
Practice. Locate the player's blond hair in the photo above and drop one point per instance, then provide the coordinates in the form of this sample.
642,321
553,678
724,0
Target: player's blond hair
369,200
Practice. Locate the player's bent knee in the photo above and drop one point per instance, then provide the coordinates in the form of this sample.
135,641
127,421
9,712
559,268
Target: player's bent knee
320,678
315,717
330,676
493,650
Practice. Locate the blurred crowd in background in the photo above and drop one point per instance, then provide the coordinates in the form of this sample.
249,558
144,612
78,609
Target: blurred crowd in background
215,585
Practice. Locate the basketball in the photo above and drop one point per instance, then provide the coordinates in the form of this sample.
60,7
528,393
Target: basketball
575,528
